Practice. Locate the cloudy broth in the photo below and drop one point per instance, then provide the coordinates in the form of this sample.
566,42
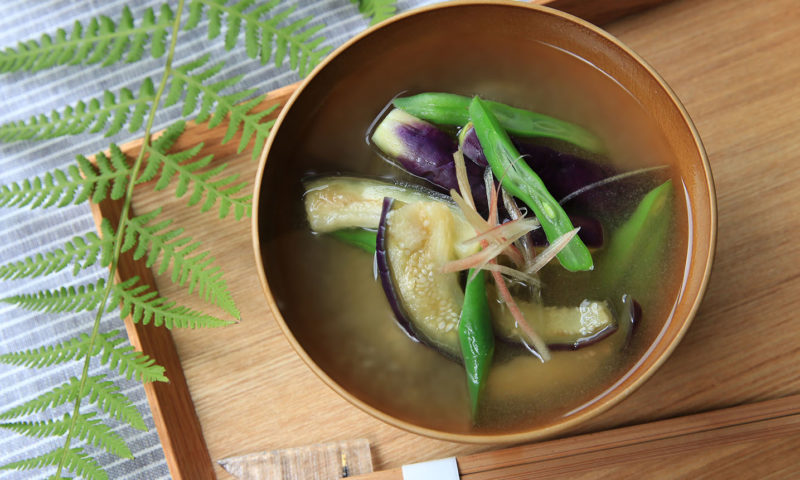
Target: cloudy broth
329,295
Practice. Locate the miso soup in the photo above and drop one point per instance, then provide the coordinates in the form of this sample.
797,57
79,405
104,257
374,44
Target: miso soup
334,303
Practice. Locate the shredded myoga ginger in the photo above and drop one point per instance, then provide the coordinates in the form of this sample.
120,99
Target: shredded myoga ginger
497,240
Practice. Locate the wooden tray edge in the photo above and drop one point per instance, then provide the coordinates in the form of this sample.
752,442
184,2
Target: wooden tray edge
171,403
674,436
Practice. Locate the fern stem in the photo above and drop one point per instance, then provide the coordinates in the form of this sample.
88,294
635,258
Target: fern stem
120,230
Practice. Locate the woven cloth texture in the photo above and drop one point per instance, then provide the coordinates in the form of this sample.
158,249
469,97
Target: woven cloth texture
25,232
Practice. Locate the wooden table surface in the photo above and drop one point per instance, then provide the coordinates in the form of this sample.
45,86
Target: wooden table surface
736,66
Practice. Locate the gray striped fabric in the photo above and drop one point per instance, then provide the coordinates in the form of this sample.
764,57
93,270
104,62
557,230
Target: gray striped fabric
25,232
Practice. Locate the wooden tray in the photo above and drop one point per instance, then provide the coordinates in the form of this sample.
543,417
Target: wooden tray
735,66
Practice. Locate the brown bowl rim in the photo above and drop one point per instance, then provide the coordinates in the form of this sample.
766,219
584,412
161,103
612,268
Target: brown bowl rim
602,403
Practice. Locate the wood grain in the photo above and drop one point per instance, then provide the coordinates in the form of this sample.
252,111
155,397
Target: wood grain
735,65
600,12
563,458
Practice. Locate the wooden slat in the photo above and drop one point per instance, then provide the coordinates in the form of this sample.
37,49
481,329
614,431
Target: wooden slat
677,436
600,12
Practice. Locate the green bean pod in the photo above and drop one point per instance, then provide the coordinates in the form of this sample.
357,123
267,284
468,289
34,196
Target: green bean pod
522,182
636,246
451,109
476,336
358,237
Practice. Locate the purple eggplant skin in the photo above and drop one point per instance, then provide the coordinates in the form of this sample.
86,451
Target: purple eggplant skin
471,146
586,341
382,260
425,151
632,315
402,318
561,347
561,172
591,232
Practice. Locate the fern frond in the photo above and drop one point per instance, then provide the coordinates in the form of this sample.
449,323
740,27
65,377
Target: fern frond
159,243
130,362
81,252
142,304
66,392
214,106
93,431
109,399
145,306
97,390
75,460
40,429
80,182
250,124
64,299
267,36
87,428
101,40
108,114
206,184
47,355
376,10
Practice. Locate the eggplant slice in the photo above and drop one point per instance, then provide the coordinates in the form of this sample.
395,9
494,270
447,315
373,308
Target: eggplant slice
418,231
414,241
340,202
561,327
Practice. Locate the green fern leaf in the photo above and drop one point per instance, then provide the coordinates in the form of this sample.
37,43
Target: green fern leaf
191,172
162,143
75,460
145,306
64,299
87,428
266,37
97,390
141,303
158,243
42,461
131,363
55,354
109,399
376,10
109,114
82,252
79,183
93,431
249,126
127,360
66,392
214,106
45,428
101,40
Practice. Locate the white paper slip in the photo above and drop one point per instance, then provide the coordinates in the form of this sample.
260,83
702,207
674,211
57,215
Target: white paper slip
443,469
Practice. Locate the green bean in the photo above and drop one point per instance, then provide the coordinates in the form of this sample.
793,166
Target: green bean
635,246
358,237
522,182
476,336
451,109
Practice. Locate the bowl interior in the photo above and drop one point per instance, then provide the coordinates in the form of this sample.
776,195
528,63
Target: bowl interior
507,51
